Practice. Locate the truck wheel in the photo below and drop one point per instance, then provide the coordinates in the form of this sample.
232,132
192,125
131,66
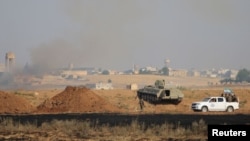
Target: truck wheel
230,109
204,109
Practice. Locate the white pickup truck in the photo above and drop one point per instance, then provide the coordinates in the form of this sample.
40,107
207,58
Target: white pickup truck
215,104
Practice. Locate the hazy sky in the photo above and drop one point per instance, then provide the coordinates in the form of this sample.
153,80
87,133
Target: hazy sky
115,34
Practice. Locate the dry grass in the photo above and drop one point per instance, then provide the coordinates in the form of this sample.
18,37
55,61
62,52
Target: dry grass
85,130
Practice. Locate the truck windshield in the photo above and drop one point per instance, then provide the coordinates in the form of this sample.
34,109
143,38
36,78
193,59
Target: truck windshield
206,99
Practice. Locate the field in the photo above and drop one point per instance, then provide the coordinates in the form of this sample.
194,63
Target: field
74,112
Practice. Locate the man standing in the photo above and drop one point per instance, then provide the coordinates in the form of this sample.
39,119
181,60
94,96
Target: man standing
141,102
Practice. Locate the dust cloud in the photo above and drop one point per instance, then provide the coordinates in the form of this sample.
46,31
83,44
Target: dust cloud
102,41
120,34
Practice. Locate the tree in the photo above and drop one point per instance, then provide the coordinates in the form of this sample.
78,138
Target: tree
243,75
165,71
105,72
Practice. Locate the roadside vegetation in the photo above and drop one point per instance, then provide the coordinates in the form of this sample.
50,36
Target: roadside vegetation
86,130
243,76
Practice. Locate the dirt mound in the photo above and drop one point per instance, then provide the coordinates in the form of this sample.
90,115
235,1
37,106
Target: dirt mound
12,104
76,100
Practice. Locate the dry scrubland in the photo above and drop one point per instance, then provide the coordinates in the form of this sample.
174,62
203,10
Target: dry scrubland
120,81
125,101
76,130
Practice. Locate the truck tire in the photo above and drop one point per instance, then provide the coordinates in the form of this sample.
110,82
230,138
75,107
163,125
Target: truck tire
204,109
230,109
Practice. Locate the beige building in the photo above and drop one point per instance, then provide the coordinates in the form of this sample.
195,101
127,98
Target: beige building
74,73
112,72
132,86
100,86
179,73
194,73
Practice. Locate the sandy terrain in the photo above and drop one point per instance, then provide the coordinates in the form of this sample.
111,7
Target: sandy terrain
78,99
84,101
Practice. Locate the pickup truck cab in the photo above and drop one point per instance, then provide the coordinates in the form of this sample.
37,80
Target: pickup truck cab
215,104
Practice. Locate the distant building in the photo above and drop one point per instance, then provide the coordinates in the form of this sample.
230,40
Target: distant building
112,72
194,73
179,73
73,73
148,70
212,75
9,61
151,69
132,86
100,86
233,74
135,72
